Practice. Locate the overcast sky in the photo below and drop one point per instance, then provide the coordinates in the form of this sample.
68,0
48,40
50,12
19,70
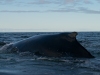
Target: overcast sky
49,15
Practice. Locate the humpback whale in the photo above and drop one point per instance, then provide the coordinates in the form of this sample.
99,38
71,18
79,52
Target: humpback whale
52,45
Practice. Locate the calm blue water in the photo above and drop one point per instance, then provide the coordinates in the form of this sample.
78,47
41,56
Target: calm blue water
27,64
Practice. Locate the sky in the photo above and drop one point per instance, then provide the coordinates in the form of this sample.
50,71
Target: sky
49,15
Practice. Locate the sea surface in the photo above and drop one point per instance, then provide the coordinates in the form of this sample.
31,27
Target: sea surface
27,64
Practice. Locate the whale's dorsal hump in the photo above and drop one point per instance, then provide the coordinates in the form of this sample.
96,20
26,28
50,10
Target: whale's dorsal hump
73,34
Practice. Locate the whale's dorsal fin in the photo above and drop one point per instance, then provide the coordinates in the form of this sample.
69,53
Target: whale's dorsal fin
69,36
73,34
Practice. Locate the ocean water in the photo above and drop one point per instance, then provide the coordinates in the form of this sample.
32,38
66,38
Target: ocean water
27,64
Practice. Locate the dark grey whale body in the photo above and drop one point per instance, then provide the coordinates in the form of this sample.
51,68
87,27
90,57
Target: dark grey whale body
54,45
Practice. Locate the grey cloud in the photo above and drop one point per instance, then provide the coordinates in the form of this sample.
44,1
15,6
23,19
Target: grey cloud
86,10
64,4
77,1
40,2
64,10
9,0
50,1
6,1
37,2
59,1
45,2
98,1
93,11
87,2
79,10
19,11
